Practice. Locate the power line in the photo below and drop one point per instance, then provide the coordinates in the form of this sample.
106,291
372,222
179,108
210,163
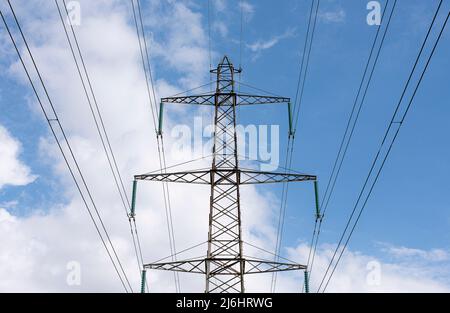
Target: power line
141,50
225,264
182,251
147,56
297,105
393,140
161,153
168,207
56,119
267,251
386,156
107,149
193,89
241,4
210,54
209,38
329,191
256,88
182,163
291,141
337,168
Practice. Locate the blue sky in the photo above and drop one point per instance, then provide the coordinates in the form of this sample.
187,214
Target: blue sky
409,206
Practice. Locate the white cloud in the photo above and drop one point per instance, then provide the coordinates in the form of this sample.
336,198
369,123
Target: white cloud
221,28
434,255
354,273
35,249
261,45
336,16
12,170
181,43
220,5
247,9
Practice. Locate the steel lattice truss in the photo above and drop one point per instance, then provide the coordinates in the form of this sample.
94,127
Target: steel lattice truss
226,177
228,268
241,99
224,271
224,265
252,266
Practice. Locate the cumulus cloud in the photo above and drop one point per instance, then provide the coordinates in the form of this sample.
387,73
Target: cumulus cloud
259,46
221,28
247,9
37,248
433,255
12,171
180,42
220,5
358,272
336,16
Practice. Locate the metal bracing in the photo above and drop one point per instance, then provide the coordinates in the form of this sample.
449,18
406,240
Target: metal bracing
251,266
224,253
225,177
241,99
225,265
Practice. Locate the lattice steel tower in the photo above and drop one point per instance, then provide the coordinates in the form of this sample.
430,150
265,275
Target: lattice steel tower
224,265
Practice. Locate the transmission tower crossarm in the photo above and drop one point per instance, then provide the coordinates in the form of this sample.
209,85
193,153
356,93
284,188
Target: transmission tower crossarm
252,266
242,99
225,264
246,99
249,177
226,177
192,177
206,99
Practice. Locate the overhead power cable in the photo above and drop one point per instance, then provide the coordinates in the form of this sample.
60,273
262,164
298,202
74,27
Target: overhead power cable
101,129
241,37
358,103
160,142
55,120
209,38
304,65
395,122
141,50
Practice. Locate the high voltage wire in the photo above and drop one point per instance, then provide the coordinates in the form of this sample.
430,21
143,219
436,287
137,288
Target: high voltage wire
160,142
385,139
304,65
267,251
337,168
168,206
141,50
241,34
161,152
182,251
291,141
193,89
209,38
256,88
182,163
241,42
124,280
299,98
107,149
147,56
387,154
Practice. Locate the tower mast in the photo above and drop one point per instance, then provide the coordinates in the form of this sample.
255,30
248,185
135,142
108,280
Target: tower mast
224,265
224,235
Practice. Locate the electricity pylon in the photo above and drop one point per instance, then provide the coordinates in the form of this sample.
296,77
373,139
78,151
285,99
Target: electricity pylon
224,265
